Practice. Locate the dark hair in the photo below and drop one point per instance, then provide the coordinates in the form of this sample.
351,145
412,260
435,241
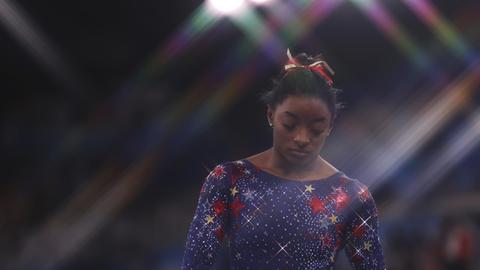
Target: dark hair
302,81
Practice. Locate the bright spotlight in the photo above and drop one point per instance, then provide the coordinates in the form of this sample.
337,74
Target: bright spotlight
260,2
226,7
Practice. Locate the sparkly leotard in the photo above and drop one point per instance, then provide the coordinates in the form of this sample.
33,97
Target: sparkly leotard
268,222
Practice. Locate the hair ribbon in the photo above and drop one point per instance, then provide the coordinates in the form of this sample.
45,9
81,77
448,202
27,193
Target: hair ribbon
320,67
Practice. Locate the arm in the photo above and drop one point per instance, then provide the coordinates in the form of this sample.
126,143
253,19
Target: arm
362,245
209,222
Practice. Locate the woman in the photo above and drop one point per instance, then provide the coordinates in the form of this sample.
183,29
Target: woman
287,207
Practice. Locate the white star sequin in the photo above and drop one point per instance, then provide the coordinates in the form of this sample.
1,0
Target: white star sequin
337,189
324,223
302,194
358,251
282,248
248,195
364,221
248,220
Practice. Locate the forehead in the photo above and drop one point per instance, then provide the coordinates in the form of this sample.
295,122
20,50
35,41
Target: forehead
308,108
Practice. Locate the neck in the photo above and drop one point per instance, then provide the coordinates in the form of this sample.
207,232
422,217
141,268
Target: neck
277,163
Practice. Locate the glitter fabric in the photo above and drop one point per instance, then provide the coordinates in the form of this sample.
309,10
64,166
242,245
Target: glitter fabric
269,222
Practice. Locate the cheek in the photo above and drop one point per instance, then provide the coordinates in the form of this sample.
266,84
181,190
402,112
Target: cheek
281,136
319,142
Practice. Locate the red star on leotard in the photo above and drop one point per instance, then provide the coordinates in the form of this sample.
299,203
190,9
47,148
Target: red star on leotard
219,233
317,205
218,171
341,199
327,241
364,194
236,206
219,207
358,231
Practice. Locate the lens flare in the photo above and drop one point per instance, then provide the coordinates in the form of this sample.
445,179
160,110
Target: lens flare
226,7
260,2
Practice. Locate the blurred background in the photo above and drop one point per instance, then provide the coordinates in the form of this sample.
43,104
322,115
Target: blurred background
113,112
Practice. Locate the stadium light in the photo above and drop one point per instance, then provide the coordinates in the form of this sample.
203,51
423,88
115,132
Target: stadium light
226,7
260,2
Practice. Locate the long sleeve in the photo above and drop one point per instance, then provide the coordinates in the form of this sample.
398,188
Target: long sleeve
208,227
362,241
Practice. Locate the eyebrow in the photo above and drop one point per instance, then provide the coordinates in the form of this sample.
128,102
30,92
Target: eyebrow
321,119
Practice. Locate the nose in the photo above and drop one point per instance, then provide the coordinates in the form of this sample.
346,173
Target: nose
301,137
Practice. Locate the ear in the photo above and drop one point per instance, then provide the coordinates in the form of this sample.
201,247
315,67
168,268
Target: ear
269,114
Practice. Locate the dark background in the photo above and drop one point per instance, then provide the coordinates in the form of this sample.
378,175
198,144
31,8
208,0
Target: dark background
113,112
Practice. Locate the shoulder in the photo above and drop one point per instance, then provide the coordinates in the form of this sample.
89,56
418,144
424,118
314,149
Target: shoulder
225,176
230,171
217,180
363,201
227,167
356,189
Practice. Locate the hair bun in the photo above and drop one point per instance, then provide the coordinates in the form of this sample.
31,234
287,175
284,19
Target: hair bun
303,59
